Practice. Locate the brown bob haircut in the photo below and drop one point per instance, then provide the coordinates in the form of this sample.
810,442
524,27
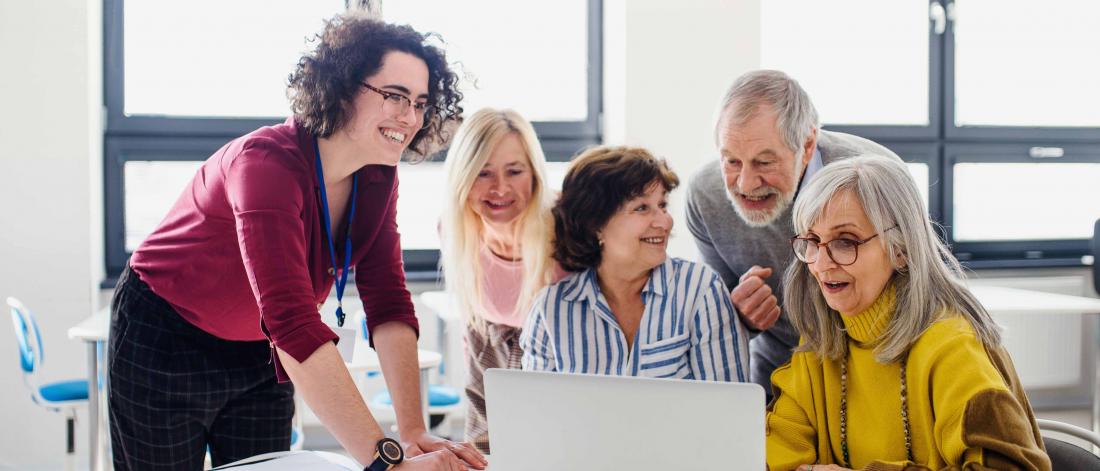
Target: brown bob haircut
351,47
599,182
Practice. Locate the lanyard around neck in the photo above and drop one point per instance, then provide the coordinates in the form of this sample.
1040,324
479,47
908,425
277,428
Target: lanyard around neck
341,274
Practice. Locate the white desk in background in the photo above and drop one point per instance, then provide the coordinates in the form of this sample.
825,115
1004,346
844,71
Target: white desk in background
366,361
1011,301
94,330
452,328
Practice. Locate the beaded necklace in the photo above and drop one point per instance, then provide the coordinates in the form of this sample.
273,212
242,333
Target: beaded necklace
844,412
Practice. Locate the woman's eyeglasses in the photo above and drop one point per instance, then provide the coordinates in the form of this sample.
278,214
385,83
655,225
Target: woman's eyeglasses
396,104
843,251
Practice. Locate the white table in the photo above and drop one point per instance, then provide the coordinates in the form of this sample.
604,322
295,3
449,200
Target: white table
1012,301
93,331
452,328
366,361
95,328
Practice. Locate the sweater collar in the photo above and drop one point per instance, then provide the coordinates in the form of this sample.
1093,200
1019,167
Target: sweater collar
867,326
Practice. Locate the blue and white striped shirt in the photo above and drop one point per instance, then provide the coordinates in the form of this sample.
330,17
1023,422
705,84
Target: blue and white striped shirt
689,329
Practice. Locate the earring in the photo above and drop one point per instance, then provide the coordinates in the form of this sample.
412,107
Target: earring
601,242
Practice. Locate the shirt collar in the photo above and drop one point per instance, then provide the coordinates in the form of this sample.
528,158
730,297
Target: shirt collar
811,169
659,278
584,285
579,286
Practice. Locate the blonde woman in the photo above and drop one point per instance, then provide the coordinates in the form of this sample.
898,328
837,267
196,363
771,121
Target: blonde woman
496,232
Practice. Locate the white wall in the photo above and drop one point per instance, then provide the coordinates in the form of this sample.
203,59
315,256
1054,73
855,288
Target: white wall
49,202
667,65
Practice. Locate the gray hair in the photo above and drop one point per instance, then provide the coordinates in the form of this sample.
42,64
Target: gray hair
797,117
930,283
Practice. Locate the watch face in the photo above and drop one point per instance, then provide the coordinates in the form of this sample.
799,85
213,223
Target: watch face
391,451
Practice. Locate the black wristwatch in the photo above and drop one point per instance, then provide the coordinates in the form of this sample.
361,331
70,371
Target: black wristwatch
387,454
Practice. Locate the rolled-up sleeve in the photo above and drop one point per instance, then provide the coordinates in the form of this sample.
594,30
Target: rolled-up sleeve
265,196
380,276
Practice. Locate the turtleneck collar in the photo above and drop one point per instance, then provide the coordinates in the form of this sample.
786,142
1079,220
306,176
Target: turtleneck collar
867,326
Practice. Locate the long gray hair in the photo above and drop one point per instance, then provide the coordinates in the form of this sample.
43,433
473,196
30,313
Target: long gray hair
930,282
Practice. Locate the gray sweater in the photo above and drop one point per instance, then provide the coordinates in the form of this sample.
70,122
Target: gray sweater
730,246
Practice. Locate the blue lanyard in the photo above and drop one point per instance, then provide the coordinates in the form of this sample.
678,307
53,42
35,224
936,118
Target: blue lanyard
341,275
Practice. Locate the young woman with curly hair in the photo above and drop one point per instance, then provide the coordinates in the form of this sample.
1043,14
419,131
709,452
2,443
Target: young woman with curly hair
219,306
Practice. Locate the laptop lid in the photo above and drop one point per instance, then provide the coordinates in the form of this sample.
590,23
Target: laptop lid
553,421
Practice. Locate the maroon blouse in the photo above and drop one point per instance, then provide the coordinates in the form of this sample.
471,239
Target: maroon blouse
242,252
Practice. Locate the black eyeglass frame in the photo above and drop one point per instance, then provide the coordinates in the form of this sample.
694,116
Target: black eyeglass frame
856,243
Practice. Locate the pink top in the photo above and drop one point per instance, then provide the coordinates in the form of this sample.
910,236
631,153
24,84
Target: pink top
500,286
501,283
242,254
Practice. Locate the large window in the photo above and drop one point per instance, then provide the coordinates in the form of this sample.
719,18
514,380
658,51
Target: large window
993,100
182,79
545,65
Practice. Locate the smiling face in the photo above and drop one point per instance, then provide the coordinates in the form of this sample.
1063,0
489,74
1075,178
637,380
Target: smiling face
504,186
636,236
761,173
853,288
373,127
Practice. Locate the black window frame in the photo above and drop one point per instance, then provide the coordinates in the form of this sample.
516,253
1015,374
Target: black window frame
174,138
956,144
1029,253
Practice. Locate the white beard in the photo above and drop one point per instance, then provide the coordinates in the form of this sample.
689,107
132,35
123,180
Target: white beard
761,217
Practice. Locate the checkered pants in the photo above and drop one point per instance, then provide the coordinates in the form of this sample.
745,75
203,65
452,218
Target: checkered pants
176,390
498,348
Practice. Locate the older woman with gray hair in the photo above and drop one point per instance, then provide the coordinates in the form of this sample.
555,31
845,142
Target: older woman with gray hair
899,366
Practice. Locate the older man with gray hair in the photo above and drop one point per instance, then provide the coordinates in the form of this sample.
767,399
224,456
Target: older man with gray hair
739,206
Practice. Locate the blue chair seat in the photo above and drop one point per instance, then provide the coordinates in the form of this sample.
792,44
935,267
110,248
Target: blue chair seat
74,390
438,396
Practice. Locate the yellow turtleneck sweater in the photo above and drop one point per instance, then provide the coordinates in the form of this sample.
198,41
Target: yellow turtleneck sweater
966,407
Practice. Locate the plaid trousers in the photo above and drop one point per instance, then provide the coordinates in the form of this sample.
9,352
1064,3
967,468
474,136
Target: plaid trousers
177,392
497,348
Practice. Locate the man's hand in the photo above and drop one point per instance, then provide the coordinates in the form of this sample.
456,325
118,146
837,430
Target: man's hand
754,299
427,443
442,460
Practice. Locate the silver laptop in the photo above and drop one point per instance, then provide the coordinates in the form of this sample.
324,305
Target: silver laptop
553,421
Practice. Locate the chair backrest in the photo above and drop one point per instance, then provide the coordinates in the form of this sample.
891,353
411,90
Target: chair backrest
1065,456
31,353
27,336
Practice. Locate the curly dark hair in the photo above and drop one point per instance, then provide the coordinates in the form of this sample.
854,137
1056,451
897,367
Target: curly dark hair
349,49
599,182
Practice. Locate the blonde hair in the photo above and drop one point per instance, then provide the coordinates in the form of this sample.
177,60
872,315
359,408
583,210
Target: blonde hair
929,280
461,229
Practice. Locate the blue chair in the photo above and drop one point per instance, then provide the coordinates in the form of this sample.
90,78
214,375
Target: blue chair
297,436
442,399
59,396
